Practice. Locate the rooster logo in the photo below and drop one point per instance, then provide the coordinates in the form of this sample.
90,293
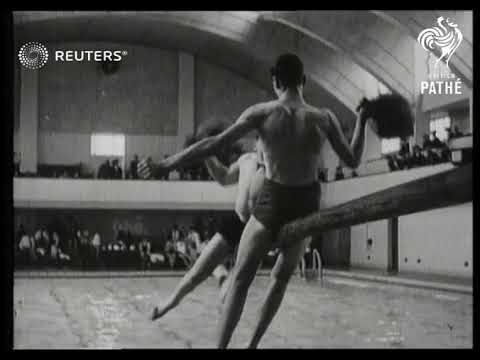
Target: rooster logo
446,37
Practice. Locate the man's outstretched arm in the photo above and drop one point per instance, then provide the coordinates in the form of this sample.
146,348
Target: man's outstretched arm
350,154
248,121
222,174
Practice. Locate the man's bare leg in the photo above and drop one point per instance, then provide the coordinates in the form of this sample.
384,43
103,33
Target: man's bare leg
224,289
254,245
284,267
213,254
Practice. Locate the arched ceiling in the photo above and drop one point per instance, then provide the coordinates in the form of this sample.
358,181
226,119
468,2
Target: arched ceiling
230,39
381,42
361,37
347,54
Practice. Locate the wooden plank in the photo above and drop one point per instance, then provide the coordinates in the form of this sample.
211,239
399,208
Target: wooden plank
448,188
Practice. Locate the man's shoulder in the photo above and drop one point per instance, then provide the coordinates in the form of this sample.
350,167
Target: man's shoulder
267,104
264,108
319,112
322,117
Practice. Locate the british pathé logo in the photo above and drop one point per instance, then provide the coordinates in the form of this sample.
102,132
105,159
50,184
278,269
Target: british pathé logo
443,39
446,37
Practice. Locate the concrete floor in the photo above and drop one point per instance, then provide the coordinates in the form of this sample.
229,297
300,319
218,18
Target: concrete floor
343,313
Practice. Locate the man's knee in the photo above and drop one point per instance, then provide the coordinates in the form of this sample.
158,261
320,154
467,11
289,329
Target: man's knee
193,278
282,275
242,276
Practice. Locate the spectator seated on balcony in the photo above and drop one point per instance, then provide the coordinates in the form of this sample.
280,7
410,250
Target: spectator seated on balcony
134,167
115,255
457,133
428,152
54,250
95,246
144,169
182,174
404,148
418,159
119,245
445,152
144,252
392,163
427,144
181,248
157,260
46,242
339,175
170,253
21,231
322,174
84,249
436,143
403,157
105,170
131,258
174,175
58,258
117,172
450,134
193,244
25,247
433,156
39,246
196,172
59,171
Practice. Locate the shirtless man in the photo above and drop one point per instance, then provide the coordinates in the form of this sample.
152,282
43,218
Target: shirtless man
292,133
248,171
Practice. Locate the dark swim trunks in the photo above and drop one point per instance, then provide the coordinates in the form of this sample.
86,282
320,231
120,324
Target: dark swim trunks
231,228
278,204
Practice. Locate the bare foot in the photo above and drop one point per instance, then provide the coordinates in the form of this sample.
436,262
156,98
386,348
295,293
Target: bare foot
157,314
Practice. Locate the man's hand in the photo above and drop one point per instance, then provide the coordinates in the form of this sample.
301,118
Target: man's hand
162,166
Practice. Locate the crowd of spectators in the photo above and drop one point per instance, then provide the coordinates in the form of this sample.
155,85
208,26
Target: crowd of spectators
175,248
110,169
41,247
433,151
136,168
73,171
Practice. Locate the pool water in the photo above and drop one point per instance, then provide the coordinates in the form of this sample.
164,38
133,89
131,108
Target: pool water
340,313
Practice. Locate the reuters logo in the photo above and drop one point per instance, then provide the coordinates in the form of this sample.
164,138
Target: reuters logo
33,55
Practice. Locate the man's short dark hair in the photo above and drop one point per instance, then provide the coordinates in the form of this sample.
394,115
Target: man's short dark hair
288,70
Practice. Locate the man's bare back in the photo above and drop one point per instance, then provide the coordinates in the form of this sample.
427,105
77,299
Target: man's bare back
292,130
